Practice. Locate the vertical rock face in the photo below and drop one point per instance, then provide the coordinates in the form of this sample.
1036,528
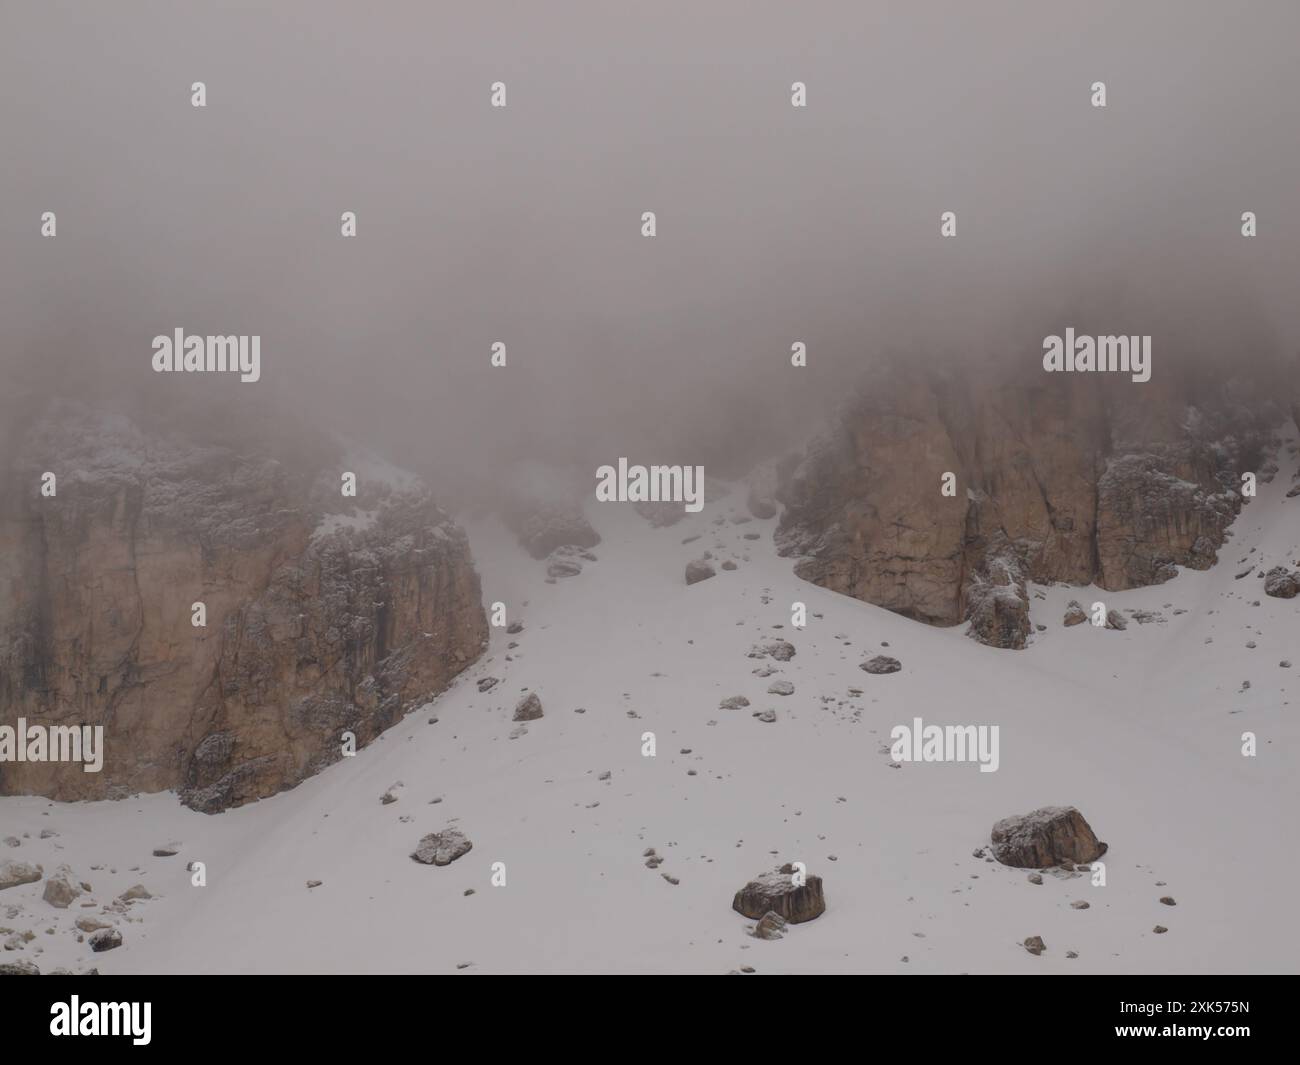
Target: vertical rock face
325,614
1073,478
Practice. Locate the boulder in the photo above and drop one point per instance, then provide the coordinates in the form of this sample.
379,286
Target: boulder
1075,614
770,926
699,570
881,664
1281,583
105,939
776,892
62,888
1046,837
781,650
563,565
12,873
442,848
529,708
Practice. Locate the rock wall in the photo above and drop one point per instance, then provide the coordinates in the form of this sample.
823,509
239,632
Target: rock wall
1072,478
324,614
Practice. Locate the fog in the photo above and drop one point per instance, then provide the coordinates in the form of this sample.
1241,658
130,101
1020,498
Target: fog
523,225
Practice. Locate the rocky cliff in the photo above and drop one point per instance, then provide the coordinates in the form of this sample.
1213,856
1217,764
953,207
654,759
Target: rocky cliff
324,614
1071,478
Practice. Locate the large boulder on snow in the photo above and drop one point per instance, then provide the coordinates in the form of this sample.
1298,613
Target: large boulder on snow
1046,837
1280,583
777,892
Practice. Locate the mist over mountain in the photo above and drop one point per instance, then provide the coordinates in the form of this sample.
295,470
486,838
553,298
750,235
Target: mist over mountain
522,224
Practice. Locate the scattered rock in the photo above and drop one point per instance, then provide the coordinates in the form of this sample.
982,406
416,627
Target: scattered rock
1035,945
770,926
487,684
765,716
1075,614
529,708
733,702
1160,930
881,664
18,967
166,850
1168,900
1115,620
561,565
135,892
781,650
1079,904
105,939
781,687
442,848
698,570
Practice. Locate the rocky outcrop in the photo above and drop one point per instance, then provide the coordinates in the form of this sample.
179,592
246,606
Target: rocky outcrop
782,893
1054,478
1046,837
325,614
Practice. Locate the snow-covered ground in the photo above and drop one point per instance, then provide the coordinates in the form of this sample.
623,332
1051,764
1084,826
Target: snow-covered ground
1141,729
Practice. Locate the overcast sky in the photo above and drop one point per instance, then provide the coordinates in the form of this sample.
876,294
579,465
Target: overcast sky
522,225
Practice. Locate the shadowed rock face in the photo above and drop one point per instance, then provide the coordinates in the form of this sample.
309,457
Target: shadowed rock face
1046,837
325,614
1066,477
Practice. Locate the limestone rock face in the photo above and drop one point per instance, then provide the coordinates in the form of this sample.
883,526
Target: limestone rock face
776,892
1046,837
324,613
1057,478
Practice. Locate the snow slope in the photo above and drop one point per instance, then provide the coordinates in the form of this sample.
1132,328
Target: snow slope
1140,729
